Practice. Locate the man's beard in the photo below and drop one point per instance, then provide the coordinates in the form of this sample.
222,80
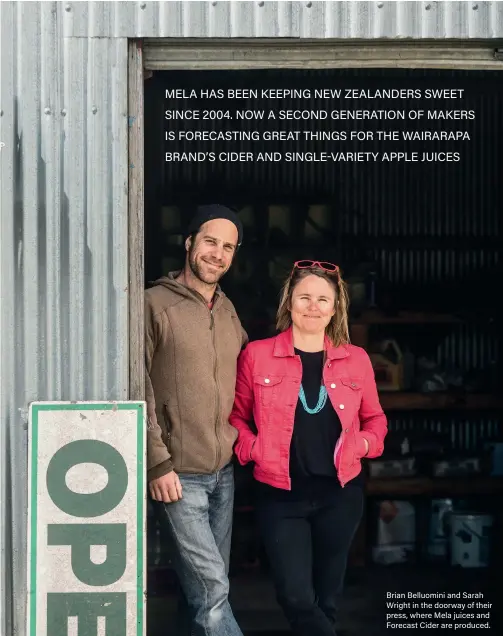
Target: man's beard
199,274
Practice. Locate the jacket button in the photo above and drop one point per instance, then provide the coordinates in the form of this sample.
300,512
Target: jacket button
346,430
332,386
341,406
267,380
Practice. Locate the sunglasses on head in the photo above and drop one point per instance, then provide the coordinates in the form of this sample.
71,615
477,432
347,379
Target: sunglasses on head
327,267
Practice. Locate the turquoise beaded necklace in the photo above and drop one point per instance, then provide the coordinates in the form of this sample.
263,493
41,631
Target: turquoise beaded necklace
322,397
322,400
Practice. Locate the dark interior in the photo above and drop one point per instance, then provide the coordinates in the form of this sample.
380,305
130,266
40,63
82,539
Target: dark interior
419,244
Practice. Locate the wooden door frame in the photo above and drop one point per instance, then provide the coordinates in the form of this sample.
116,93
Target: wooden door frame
136,222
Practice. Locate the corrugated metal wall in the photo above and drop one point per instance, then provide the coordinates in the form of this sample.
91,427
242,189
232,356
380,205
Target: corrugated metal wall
63,192
268,19
64,265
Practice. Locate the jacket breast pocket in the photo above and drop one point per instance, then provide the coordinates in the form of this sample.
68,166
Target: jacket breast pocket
267,387
352,389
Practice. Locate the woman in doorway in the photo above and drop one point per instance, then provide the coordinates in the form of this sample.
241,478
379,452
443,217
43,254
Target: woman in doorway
313,400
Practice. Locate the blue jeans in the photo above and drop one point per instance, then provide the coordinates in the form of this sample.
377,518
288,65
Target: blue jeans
200,525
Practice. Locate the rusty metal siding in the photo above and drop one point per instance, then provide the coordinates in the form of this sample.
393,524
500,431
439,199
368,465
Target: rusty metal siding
64,244
268,19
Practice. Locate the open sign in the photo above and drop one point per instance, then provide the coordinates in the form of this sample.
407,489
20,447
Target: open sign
86,518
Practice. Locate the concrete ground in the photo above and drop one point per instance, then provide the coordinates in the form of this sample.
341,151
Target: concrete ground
363,611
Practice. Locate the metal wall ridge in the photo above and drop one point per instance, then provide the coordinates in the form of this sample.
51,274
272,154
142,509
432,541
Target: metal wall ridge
269,19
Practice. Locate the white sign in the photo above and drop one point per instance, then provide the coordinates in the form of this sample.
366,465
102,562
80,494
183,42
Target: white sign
86,519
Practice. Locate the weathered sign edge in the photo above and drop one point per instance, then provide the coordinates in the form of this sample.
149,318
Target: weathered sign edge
141,507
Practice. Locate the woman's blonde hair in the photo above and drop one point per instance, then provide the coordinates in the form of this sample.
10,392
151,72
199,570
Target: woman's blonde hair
337,329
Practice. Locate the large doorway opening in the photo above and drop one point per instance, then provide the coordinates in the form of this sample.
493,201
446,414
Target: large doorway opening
420,245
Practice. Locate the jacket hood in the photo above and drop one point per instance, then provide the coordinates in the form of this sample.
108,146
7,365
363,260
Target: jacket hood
178,288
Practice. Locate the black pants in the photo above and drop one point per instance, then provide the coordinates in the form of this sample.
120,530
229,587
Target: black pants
307,543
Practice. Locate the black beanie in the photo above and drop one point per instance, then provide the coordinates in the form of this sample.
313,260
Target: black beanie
205,213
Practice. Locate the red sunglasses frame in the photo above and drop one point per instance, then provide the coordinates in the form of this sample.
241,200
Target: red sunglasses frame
321,264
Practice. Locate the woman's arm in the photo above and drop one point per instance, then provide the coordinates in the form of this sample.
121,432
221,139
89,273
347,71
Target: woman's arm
242,412
373,421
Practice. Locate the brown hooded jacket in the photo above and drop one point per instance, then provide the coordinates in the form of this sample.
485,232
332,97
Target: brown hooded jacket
191,357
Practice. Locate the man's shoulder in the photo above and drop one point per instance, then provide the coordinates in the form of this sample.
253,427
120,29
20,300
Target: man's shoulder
228,305
160,298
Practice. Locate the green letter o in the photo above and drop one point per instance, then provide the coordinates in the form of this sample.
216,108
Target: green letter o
92,452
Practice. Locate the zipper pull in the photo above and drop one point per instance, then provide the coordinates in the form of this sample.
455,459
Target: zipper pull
211,320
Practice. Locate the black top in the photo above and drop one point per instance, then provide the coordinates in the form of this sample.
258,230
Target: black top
312,468
314,436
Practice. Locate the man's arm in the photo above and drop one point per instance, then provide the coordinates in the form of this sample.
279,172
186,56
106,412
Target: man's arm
164,483
244,338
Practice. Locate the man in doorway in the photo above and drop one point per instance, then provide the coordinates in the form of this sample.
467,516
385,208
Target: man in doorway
193,337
